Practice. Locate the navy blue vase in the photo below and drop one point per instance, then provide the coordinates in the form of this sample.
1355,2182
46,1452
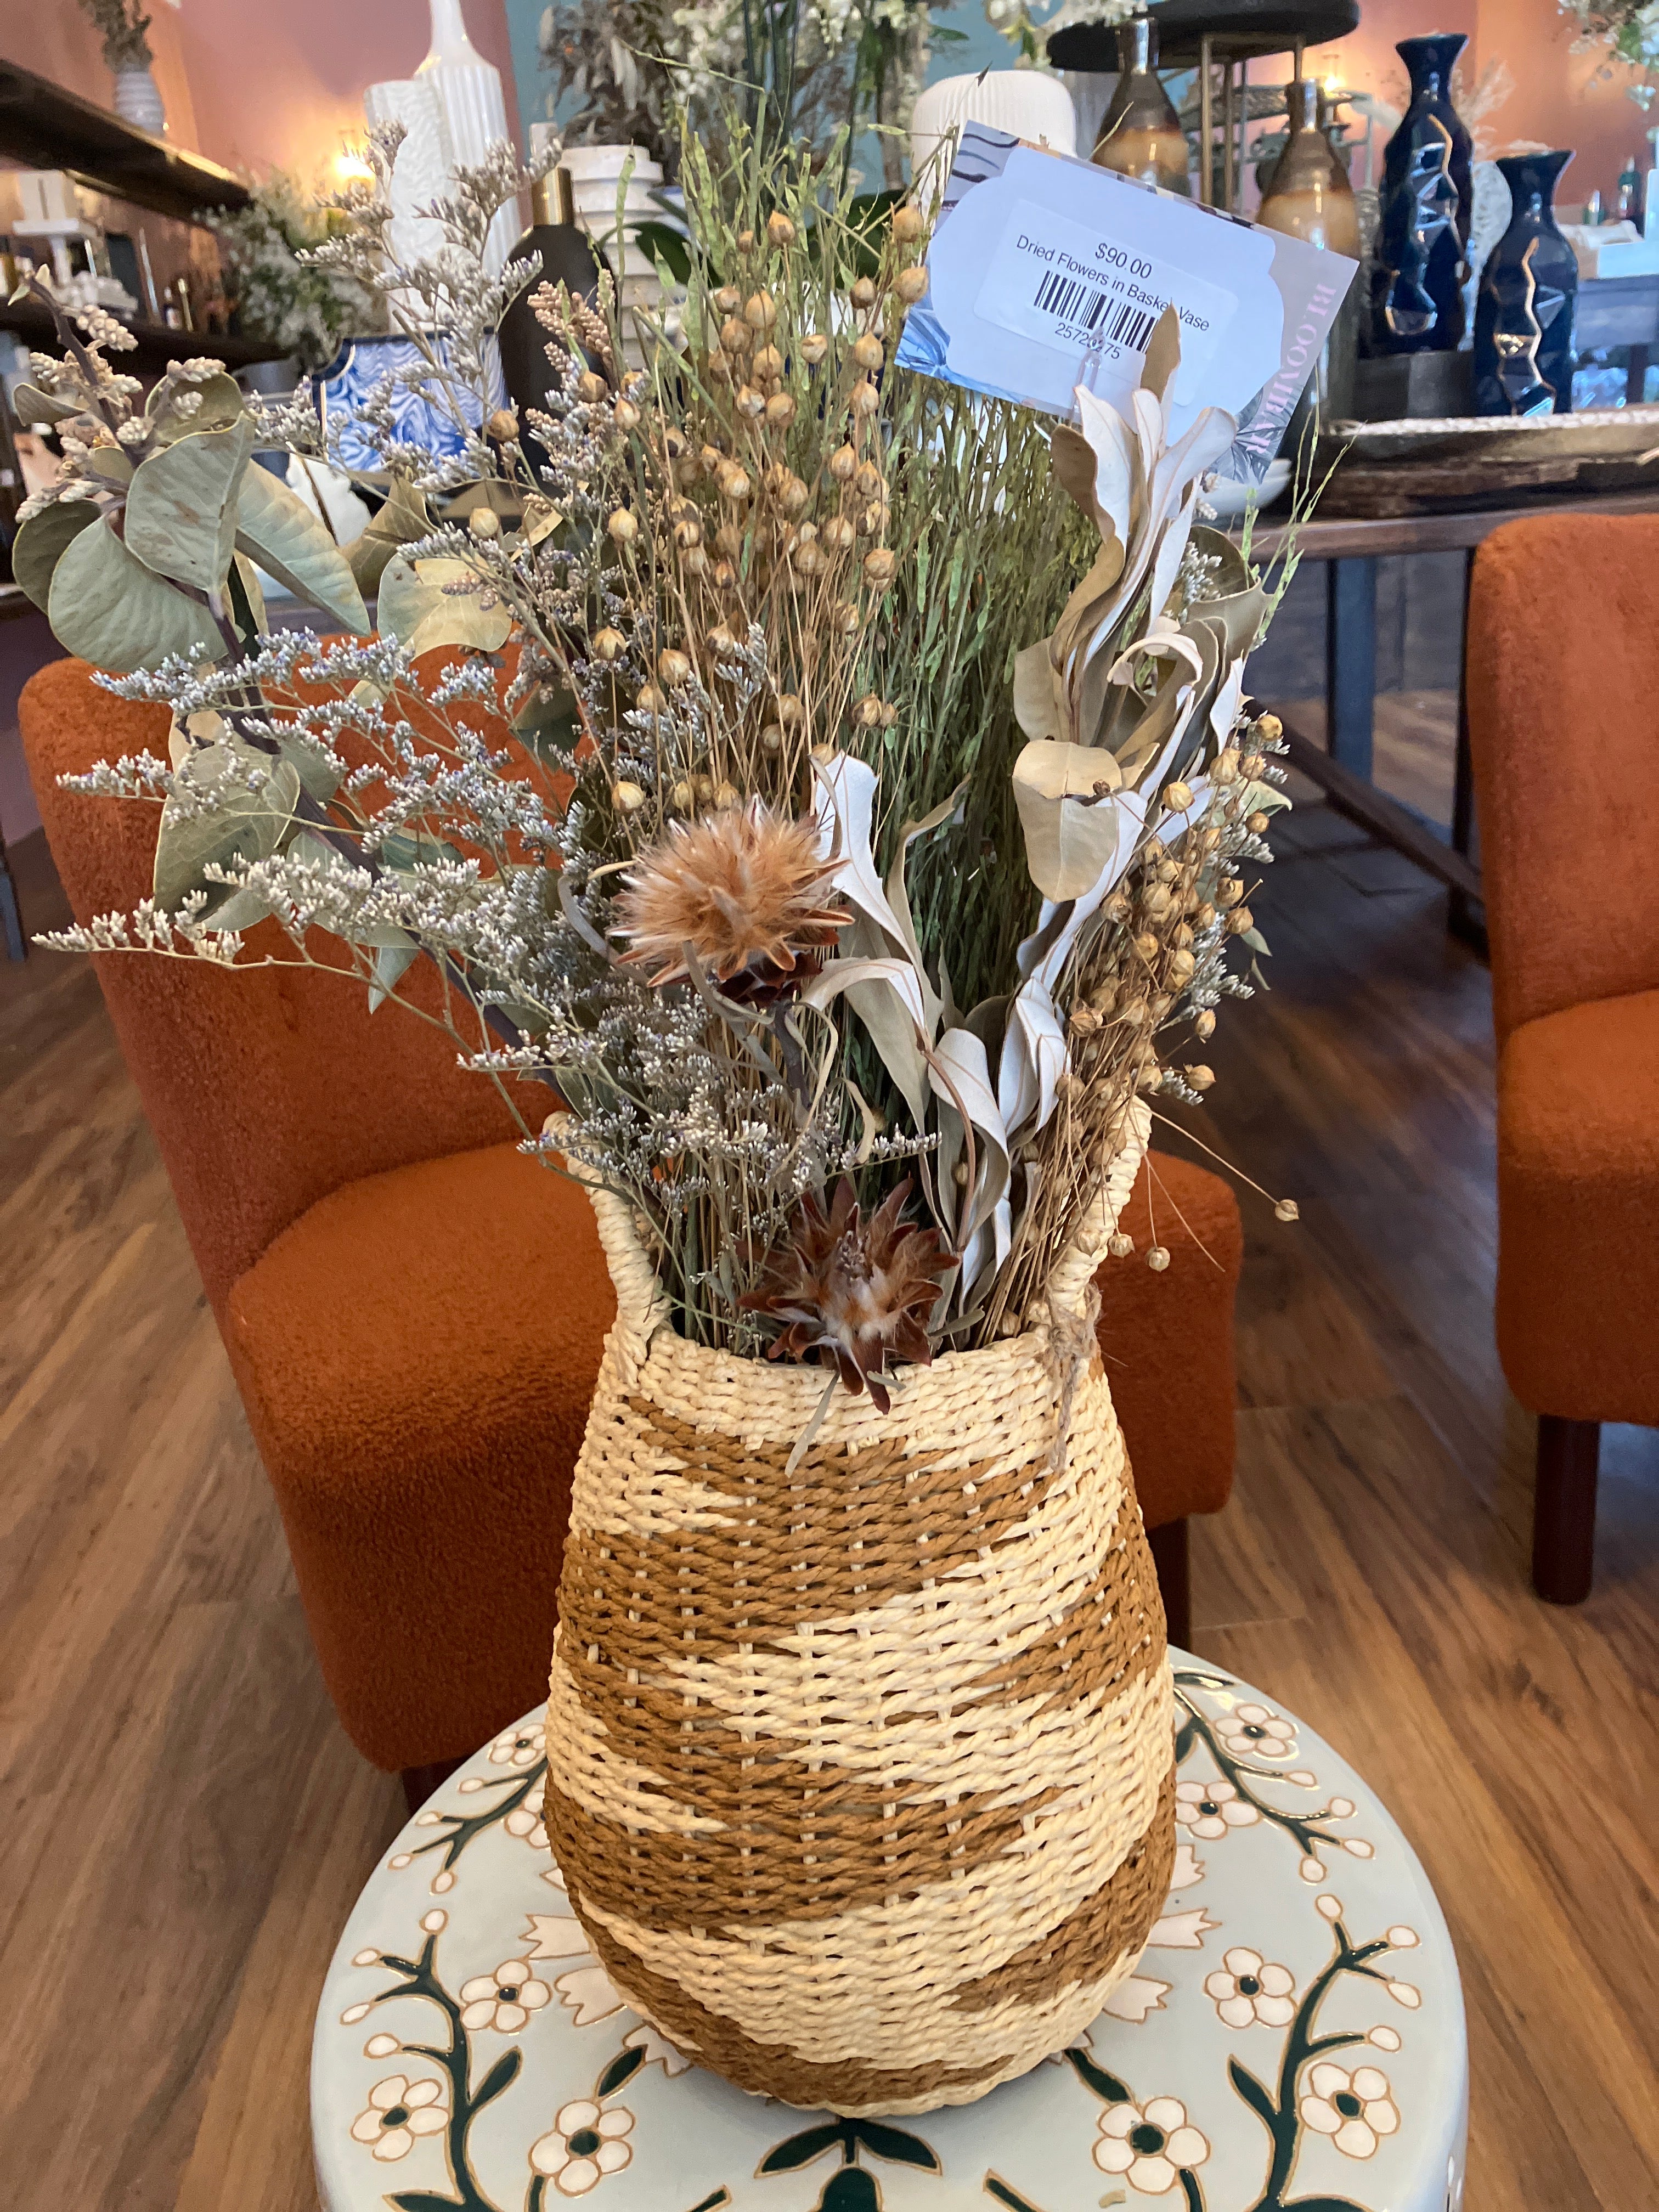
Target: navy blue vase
1417,301
1523,308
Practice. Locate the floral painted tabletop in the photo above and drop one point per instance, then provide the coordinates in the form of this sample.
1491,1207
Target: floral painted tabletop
1291,2039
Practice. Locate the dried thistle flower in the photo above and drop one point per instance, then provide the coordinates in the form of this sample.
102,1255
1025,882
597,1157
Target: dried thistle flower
744,888
854,1298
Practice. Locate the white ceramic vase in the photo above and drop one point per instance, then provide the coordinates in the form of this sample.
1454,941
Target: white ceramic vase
475,111
138,102
424,166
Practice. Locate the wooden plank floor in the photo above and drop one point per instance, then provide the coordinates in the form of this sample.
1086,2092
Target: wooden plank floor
186,1826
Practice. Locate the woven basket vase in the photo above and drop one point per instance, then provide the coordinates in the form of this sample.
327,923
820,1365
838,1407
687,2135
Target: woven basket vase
861,1778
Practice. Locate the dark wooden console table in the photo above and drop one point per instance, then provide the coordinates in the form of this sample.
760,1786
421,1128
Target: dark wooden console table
1342,766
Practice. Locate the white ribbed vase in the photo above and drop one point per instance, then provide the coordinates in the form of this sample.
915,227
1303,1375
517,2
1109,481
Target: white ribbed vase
138,100
860,1774
474,111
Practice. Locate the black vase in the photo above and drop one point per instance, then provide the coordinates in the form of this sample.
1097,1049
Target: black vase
564,255
1523,310
1417,301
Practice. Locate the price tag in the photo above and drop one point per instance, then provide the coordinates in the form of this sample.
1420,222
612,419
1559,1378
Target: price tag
1072,288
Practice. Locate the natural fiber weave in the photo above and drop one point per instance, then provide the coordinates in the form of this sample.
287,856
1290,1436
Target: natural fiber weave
861,1777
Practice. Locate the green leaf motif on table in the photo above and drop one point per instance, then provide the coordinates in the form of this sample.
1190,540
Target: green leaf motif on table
501,2075
852,2189
1107,2086
246,825
424,2200
41,541
897,2144
996,2187
622,2067
222,403
181,506
800,2150
1186,1736
274,527
1321,2204
108,607
1253,2092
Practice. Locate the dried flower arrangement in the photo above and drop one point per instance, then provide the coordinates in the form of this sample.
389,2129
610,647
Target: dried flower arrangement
765,887
121,26
278,293
756,773
797,70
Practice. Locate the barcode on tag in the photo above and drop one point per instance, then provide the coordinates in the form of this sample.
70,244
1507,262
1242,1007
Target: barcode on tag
1071,300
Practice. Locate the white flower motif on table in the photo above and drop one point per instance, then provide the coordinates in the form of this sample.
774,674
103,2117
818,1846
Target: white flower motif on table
1354,2110
1252,1732
1247,1989
1149,2144
1134,1998
1180,1931
585,2144
587,1991
555,1935
503,2000
657,2051
1188,1868
517,1747
398,2110
526,1821
1210,1809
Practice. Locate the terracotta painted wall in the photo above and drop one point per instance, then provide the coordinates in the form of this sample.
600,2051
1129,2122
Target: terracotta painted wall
253,82
1559,98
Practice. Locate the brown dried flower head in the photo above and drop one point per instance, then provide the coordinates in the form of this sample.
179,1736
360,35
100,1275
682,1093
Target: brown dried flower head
854,1298
744,888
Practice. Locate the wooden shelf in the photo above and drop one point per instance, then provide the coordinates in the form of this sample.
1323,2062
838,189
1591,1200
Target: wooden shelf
44,127
157,344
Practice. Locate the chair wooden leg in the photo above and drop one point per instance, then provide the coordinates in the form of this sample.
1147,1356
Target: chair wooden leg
420,1781
1172,1557
1563,1510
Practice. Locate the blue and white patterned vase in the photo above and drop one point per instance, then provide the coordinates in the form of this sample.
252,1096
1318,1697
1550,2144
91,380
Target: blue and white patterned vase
418,419
1417,304
1524,311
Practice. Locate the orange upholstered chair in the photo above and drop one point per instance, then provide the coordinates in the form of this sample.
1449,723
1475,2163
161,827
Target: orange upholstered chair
1562,688
415,1312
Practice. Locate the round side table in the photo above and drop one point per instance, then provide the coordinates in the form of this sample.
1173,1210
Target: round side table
1291,2039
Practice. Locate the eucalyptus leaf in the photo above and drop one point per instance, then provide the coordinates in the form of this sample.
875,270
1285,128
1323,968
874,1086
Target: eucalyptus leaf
41,541
222,403
112,610
464,622
391,964
244,824
274,527
404,601
34,408
248,601
181,506
403,519
416,608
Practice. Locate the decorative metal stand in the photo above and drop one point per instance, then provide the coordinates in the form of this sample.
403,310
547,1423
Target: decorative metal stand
1215,39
